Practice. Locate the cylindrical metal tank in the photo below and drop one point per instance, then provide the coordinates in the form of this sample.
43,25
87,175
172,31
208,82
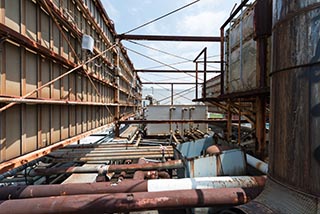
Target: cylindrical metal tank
295,95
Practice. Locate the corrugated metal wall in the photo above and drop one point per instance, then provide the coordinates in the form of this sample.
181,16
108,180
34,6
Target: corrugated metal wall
35,50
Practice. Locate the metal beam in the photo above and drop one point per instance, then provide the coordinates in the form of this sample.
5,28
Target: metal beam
163,121
169,83
170,38
175,71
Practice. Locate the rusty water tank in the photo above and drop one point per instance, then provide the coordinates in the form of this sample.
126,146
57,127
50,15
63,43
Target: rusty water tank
295,95
293,184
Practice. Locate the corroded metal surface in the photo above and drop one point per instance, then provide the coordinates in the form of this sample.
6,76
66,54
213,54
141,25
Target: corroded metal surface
258,164
124,202
36,191
206,183
295,94
229,162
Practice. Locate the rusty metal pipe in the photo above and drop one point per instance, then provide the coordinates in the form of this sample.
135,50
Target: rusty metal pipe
108,154
140,175
125,202
175,164
258,164
163,174
35,191
206,183
133,137
104,159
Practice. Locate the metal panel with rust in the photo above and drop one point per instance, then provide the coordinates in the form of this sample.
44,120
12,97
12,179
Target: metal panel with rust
42,41
242,49
177,112
228,162
295,125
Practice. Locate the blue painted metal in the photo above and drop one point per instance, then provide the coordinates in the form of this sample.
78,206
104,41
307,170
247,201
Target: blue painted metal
195,148
229,162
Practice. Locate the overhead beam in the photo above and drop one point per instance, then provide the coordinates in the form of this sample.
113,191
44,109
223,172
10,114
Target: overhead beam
175,71
169,83
163,121
170,38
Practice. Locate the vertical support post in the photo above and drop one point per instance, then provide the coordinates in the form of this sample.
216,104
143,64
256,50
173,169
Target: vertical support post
229,121
262,30
222,60
205,74
261,127
262,45
117,92
239,125
171,93
197,80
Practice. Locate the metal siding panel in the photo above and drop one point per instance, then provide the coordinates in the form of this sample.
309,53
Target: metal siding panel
84,118
79,119
64,122
45,30
45,77
72,120
56,84
31,129
45,125
56,38
12,17
31,20
13,132
12,70
55,124
31,73
2,136
64,85
72,86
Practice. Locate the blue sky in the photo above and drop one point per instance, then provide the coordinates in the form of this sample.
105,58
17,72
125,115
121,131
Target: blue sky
201,19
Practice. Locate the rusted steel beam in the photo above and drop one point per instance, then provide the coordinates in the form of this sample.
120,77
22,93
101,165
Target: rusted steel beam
235,12
11,164
175,71
126,202
163,121
103,169
170,38
170,83
53,102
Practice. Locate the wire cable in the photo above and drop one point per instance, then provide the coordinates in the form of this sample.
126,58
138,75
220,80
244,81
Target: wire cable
148,57
177,63
161,17
155,49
